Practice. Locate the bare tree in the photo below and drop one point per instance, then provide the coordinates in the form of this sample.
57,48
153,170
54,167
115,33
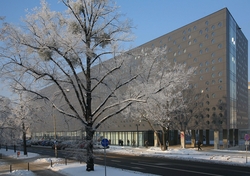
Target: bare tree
61,50
162,84
5,127
188,115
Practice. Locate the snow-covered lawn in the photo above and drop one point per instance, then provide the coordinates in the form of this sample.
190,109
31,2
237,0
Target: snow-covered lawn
71,169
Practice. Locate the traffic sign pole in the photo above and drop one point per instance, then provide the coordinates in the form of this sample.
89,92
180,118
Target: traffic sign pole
105,144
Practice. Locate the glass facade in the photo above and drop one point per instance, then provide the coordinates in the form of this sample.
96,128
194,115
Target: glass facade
232,70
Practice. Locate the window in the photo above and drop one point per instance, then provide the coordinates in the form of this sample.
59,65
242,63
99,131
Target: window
212,27
200,45
220,87
213,68
207,82
213,61
169,38
213,75
206,29
174,42
184,32
207,63
200,51
220,73
213,54
184,38
206,36
212,34
212,41
201,71
189,37
220,46
179,46
206,22
201,77
219,24
184,51
195,40
195,59
189,43
200,32
189,30
213,81
220,59
220,80
194,28
174,60
174,54
201,64
207,70
207,102
213,95
206,50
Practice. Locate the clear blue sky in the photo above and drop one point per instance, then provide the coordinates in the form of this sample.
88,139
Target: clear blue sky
152,18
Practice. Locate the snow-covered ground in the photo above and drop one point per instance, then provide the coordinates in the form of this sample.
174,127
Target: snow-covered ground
234,157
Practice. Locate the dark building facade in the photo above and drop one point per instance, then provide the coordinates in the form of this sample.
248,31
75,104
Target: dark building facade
215,45
218,48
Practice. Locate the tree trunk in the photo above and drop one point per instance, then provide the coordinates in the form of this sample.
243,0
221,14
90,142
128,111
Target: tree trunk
24,141
90,155
183,140
163,148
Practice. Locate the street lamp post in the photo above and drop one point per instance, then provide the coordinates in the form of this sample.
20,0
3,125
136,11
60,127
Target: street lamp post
137,134
168,126
54,118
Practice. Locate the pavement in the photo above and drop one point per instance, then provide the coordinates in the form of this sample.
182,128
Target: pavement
44,170
40,169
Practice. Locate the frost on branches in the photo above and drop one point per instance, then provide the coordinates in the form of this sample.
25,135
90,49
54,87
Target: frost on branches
69,51
163,84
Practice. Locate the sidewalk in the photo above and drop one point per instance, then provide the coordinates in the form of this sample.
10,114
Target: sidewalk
22,163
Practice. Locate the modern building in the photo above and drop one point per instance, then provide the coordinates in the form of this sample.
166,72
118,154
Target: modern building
216,45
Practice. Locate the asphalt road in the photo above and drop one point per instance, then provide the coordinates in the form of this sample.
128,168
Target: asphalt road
159,166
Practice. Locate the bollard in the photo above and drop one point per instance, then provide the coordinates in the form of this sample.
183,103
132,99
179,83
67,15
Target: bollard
28,166
50,163
14,148
6,147
10,168
65,161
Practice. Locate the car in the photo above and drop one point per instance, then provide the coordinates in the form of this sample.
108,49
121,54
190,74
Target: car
28,143
65,144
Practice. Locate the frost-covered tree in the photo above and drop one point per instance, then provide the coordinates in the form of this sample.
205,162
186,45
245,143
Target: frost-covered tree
70,50
184,118
163,85
5,113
